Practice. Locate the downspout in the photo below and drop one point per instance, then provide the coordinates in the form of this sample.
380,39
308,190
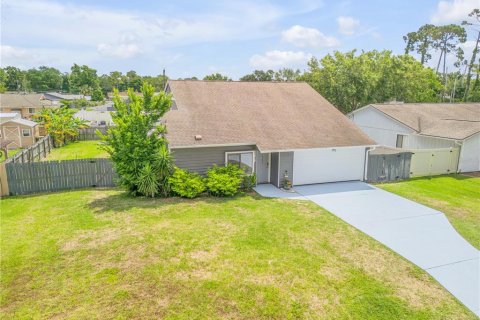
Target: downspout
460,155
365,168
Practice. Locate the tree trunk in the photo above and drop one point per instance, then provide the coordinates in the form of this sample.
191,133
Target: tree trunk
470,65
439,60
444,64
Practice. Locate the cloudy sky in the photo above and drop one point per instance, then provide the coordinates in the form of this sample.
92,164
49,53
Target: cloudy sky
198,37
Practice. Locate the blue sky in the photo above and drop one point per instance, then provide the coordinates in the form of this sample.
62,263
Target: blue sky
195,38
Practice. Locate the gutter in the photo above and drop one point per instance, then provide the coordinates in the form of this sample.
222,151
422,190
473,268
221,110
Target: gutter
460,144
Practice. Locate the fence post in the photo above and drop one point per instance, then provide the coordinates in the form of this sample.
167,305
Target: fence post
3,180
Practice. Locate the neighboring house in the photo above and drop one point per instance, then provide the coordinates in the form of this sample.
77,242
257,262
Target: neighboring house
7,116
56,96
97,116
24,104
21,132
425,126
270,128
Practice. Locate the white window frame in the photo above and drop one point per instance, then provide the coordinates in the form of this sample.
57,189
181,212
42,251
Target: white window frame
30,109
246,151
29,133
403,140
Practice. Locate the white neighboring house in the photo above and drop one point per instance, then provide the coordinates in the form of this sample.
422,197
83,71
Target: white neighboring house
425,126
97,116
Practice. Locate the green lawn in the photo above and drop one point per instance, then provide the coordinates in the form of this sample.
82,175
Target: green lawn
77,150
99,254
458,196
11,153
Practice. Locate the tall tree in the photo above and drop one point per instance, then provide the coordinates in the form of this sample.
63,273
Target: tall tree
350,80
421,42
216,76
475,22
133,80
44,79
259,75
137,143
287,74
83,79
447,41
15,78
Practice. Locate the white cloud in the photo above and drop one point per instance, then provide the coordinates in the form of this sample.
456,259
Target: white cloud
127,47
347,25
276,58
453,11
9,52
308,37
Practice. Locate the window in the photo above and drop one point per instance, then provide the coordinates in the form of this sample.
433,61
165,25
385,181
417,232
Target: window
31,110
26,132
400,138
243,159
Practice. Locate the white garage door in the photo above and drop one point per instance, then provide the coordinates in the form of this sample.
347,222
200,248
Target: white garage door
328,165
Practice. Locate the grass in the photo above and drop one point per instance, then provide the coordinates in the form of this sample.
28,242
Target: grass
11,153
100,254
77,150
458,196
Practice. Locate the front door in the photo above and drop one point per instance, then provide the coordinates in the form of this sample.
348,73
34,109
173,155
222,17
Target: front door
263,167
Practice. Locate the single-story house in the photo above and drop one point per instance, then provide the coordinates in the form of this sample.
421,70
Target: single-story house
57,96
97,116
25,104
21,132
417,126
272,129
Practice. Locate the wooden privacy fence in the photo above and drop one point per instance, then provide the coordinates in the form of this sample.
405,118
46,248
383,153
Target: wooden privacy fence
385,165
35,152
90,133
26,178
429,162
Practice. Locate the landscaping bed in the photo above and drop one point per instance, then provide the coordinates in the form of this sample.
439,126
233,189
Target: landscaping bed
103,254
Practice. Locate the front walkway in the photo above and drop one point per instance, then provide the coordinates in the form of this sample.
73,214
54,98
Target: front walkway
420,234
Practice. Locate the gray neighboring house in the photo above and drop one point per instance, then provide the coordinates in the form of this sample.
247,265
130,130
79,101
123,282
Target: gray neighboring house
273,129
425,126
56,96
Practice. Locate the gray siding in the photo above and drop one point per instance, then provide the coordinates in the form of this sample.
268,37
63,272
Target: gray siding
200,159
286,164
274,169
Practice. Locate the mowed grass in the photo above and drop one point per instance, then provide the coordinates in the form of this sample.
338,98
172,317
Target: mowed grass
458,196
100,254
11,153
77,150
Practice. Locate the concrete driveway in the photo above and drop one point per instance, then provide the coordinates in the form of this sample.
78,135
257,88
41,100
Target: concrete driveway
420,234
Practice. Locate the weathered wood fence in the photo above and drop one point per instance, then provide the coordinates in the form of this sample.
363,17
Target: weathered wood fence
35,152
90,133
388,166
26,178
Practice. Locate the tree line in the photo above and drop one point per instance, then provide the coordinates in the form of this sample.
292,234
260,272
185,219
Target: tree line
349,80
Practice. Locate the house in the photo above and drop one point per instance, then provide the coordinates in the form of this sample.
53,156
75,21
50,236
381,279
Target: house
97,116
24,104
272,129
7,116
425,126
21,133
57,97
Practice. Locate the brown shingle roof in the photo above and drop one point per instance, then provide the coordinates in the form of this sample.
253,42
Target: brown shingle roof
272,115
446,120
19,100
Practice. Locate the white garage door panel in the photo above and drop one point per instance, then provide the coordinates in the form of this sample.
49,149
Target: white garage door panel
328,165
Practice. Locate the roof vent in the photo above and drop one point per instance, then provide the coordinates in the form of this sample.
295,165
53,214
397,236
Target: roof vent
198,137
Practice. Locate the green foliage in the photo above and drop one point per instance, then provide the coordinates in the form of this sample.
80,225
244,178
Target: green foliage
249,182
350,81
97,95
186,184
83,79
61,124
217,76
147,181
421,42
224,181
259,75
44,79
138,140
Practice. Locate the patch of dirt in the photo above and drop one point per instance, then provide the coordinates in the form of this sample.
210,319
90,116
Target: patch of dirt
475,174
91,239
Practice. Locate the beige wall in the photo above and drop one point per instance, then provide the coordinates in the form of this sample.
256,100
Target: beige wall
14,132
24,111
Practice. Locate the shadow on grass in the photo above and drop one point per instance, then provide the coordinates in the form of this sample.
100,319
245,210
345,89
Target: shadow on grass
123,201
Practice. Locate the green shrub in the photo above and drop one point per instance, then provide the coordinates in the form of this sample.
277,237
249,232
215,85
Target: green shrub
186,184
249,181
224,181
